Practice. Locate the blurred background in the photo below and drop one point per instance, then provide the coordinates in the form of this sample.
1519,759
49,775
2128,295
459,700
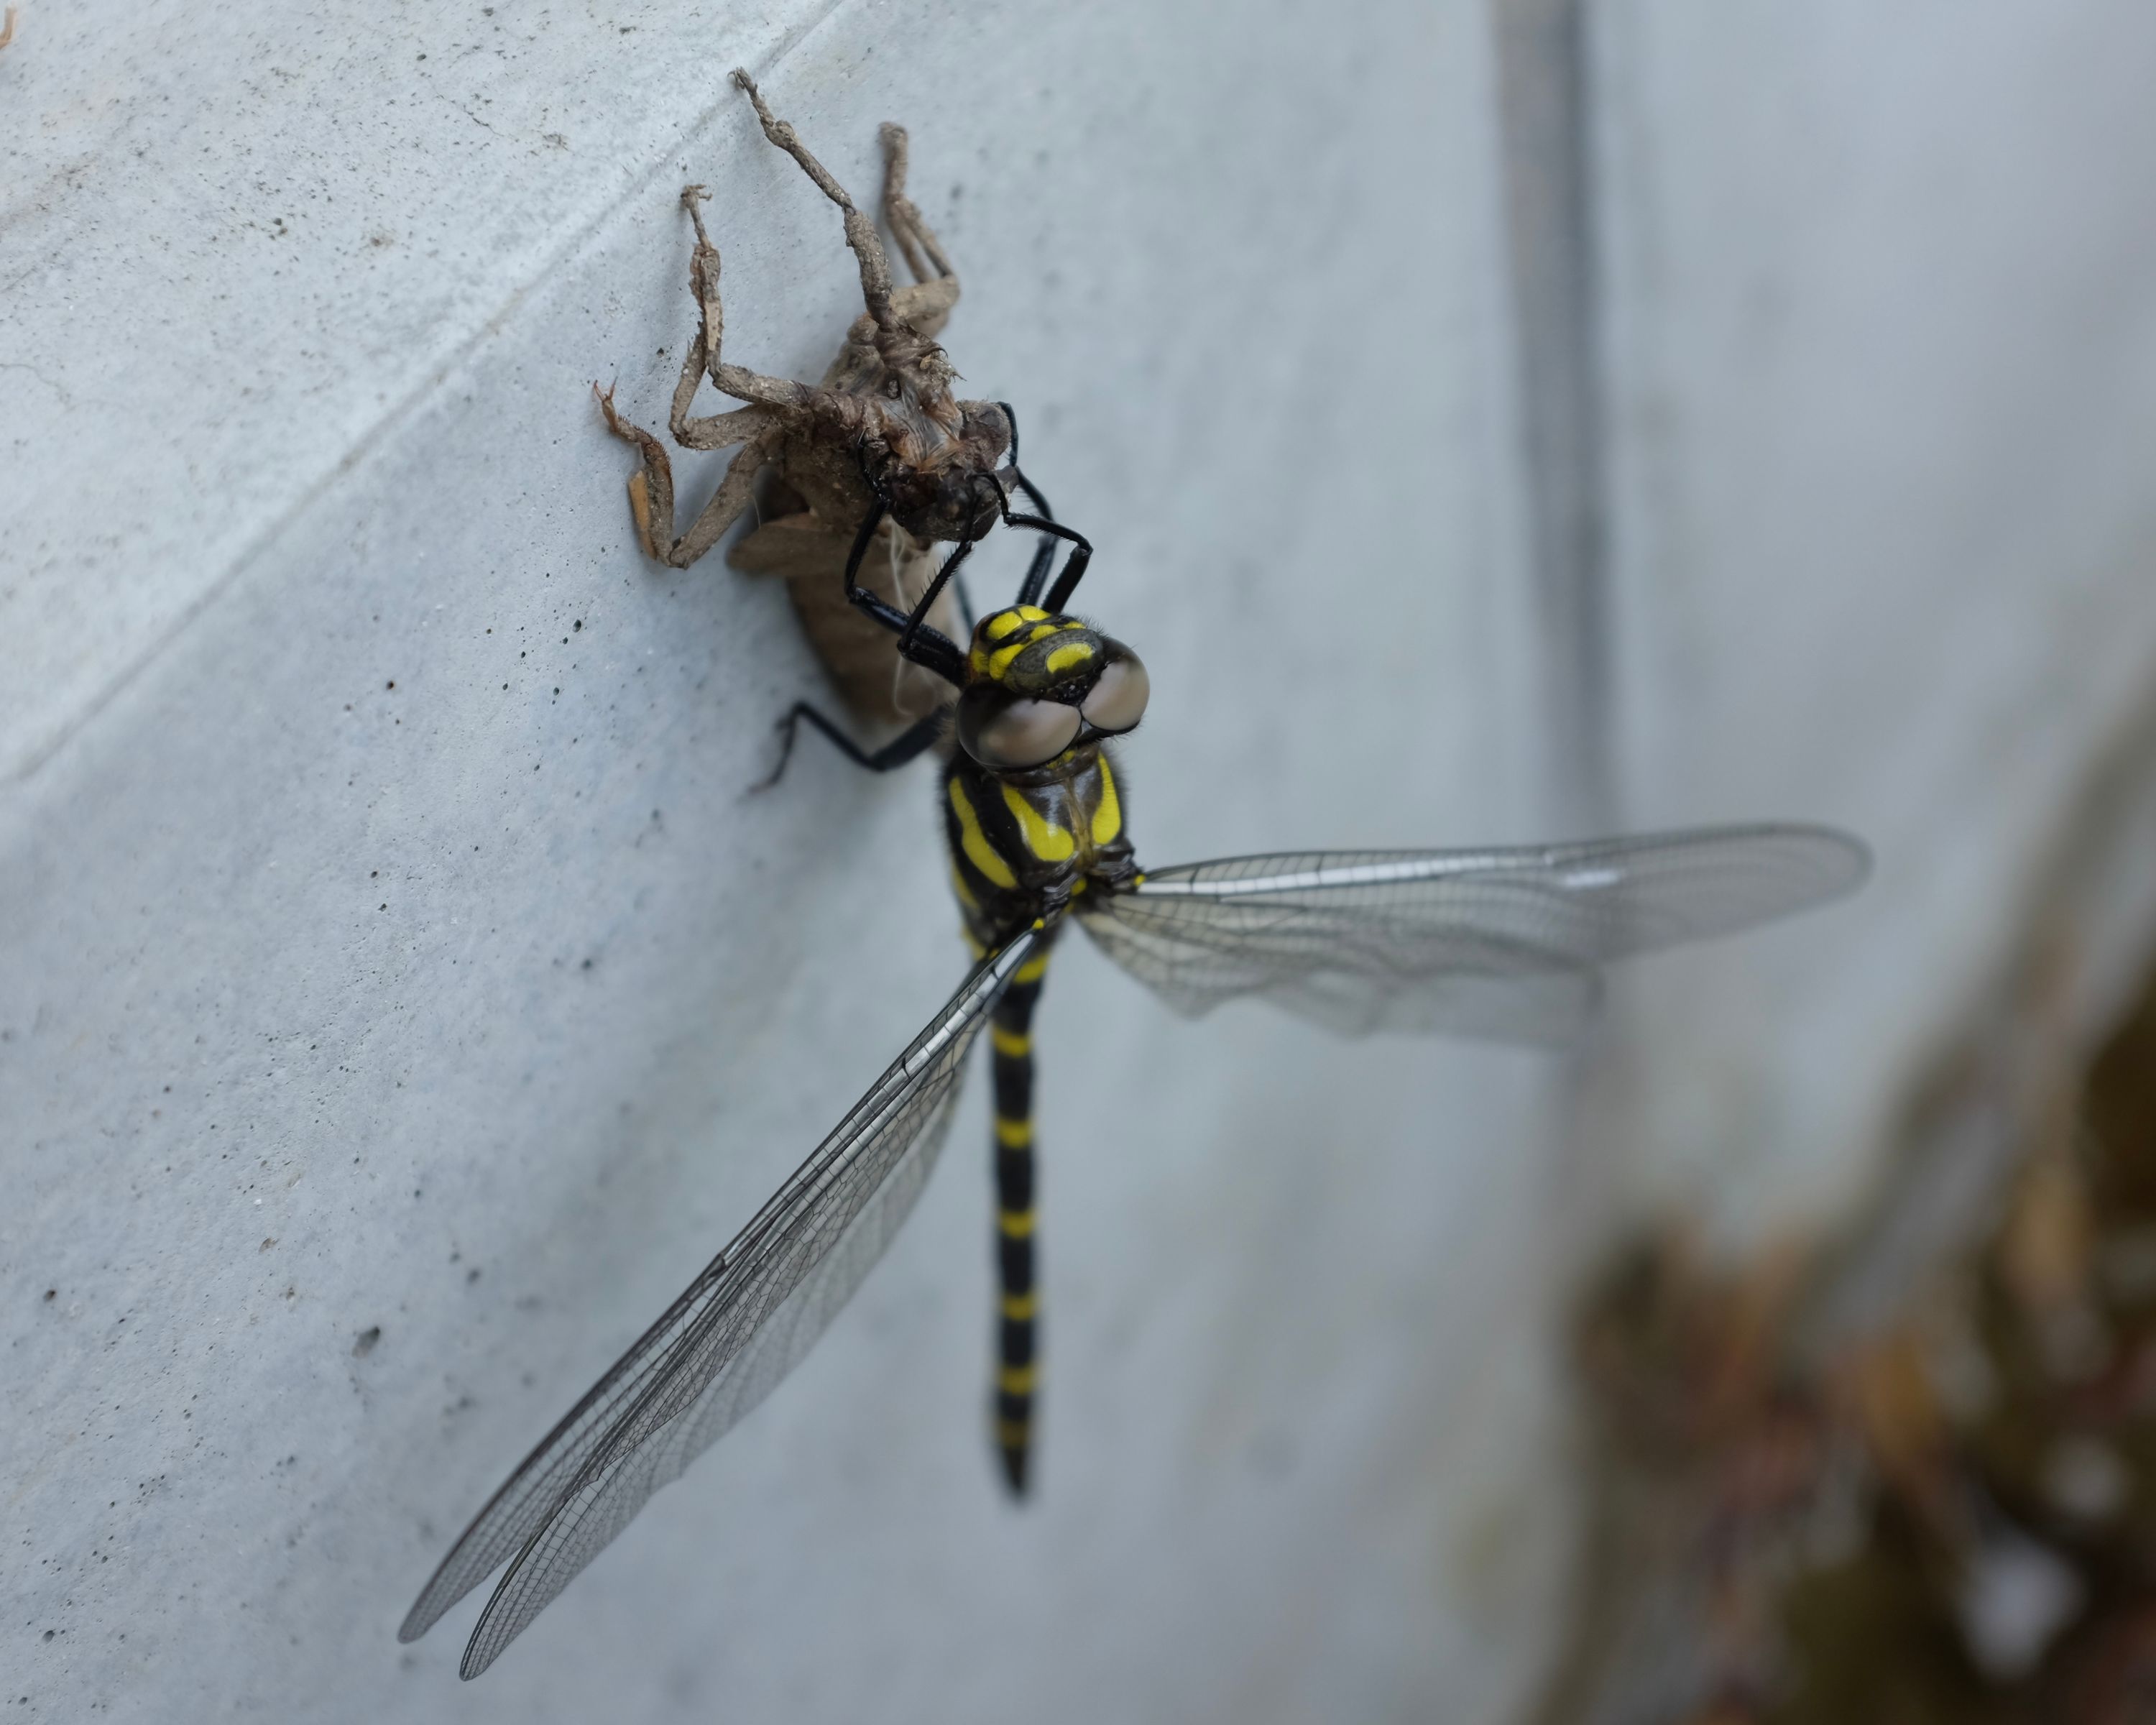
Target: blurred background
1498,420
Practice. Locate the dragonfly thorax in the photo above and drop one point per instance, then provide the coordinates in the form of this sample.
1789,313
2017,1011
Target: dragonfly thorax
1024,844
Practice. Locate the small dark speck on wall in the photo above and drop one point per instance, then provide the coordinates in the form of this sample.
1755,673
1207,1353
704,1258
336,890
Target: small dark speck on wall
364,1345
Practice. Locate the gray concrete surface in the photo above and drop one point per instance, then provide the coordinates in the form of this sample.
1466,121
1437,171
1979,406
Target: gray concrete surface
479,1010
476,1011
1881,303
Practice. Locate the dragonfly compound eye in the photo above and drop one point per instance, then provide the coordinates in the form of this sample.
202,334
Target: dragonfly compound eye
1118,700
1013,734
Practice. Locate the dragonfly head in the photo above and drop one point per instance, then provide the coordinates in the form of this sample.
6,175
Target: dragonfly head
1039,683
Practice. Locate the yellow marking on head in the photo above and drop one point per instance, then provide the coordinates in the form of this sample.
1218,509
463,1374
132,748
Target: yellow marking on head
1019,1308
1009,622
1034,969
1011,1044
1017,1380
1042,837
1015,1134
999,661
978,661
1063,658
975,843
1015,1224
1013,1434
1108,816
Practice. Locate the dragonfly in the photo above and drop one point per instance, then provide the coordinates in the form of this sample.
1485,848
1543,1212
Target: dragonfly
1506,942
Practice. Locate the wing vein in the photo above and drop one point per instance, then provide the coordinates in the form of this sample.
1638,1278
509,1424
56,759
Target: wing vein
737,1329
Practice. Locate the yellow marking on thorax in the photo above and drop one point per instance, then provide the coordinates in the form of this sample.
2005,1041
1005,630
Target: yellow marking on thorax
1015,1134
1042,837
1015,1224
1108,816
1011,1044
965,892
975,843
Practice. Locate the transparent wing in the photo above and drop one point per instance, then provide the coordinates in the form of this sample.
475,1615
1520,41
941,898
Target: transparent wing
1502,943
738,1328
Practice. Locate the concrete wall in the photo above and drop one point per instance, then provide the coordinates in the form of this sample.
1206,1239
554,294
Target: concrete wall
480,1015
481,1009
1880,301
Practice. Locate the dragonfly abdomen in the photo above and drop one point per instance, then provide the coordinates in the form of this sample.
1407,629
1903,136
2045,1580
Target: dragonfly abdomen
1018,1304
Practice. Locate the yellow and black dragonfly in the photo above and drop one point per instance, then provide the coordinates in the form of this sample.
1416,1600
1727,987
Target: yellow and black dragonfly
1504,942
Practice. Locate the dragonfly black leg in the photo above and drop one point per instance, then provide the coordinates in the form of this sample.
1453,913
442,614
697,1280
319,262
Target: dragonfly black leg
915,740
1010,1035
917,641
1074,571
1036,576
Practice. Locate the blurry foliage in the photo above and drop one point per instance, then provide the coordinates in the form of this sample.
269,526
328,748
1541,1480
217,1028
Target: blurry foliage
1951,1523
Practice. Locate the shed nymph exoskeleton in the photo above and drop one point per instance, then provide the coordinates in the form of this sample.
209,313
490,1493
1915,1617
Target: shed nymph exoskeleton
869,469
1504,943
